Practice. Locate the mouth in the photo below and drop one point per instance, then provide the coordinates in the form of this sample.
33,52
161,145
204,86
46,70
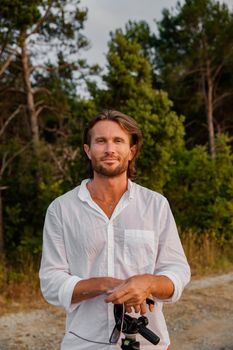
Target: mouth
109,159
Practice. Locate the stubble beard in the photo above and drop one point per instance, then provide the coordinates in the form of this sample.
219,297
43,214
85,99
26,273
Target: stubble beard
101,170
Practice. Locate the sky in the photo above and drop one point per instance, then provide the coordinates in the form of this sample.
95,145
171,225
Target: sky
107,15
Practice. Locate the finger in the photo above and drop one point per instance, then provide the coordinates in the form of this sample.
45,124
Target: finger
128,309
143,308
110,291
151,307
137,308
116,297
130,301
124,298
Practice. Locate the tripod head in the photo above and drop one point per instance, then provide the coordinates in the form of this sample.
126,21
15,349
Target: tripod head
131,326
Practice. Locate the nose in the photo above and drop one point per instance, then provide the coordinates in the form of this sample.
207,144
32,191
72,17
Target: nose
109,148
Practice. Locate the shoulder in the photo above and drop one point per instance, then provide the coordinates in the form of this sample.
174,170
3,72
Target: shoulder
65,201
145,194
151,203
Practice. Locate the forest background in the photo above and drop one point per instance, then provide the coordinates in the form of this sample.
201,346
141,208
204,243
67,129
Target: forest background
175,79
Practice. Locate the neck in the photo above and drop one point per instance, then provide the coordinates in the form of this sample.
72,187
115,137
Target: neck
108,188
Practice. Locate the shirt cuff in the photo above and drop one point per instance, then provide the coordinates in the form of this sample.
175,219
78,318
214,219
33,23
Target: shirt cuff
65,293
178,287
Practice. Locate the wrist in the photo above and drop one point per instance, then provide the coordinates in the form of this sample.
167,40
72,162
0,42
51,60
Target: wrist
161,287
150,283
110,283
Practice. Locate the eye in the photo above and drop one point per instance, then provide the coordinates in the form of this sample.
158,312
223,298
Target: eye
119,140
100,141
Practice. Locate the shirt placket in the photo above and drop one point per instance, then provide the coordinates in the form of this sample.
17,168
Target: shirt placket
111,270
110,247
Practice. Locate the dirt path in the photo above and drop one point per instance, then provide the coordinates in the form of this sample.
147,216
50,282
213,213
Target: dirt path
201,320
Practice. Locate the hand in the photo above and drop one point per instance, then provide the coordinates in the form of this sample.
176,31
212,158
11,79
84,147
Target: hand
133,293
140,308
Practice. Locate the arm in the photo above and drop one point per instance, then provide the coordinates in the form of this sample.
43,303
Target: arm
134,291
58,285
92,287
56,281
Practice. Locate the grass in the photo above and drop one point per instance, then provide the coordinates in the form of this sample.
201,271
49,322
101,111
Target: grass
19,285
207,254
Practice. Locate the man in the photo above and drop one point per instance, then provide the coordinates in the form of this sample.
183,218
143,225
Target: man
110,241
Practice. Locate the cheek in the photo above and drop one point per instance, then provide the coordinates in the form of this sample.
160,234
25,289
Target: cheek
95,156
94,152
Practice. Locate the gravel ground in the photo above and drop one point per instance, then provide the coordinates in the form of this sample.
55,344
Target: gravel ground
201,320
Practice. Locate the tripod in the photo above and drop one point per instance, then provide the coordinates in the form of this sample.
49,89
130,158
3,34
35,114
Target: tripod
132,326
130,343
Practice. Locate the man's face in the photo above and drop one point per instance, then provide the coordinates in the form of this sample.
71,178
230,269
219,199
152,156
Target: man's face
109,150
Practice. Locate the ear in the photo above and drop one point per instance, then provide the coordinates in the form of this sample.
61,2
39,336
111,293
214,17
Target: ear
87,150
133,151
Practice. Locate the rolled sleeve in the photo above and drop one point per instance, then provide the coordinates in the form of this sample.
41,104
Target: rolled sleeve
65,293
178,286
171,260
57,283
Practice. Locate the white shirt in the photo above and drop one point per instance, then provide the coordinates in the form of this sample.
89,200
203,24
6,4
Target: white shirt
80,242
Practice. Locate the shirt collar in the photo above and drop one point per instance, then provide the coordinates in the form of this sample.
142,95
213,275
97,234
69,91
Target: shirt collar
84,194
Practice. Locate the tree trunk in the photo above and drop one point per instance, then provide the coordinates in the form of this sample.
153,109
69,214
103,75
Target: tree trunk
33,115
30,97
2,250
209,109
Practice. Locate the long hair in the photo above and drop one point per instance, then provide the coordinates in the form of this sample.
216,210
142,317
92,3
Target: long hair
126,123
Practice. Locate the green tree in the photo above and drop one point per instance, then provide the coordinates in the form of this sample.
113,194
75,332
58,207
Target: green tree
194,54
40,43
129,88
25,28
201,190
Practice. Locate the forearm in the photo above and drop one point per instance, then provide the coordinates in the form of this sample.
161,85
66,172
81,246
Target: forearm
136,289
90,288
161,287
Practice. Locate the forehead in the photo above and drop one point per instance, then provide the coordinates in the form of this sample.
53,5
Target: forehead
108,128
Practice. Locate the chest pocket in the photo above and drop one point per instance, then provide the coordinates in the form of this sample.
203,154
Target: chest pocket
139,249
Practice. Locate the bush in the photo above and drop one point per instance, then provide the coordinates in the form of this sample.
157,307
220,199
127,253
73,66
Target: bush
201,190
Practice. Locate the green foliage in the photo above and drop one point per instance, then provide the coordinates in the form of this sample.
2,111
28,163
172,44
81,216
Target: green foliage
19,14
163,134
129,72
28,30
130,89
201,190
25,204
194,57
